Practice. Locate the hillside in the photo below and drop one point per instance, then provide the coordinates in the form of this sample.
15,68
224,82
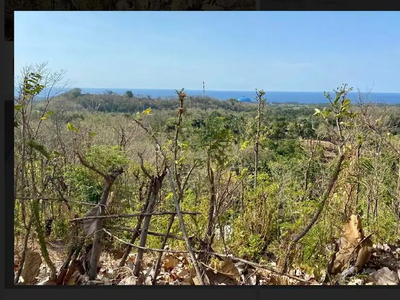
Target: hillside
119,189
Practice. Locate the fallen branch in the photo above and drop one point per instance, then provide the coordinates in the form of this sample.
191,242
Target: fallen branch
253,264
133,215
173,236
143,248
135,235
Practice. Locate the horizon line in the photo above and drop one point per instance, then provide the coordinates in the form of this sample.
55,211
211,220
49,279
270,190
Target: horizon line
219,90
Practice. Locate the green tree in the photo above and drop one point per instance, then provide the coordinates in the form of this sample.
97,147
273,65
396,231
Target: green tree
129,94
33,160
75,93
215,139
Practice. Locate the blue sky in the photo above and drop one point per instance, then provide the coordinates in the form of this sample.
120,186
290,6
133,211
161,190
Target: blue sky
275,51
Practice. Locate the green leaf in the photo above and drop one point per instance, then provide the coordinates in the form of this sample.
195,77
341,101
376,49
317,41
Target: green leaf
31,84
72,127
92,134
146,111
346,102
337,97
56,154
169,196
244,145
49,113
326,113
40,148
18,107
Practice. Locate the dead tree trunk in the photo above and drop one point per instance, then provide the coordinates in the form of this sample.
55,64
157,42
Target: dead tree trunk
211,209
96,225
23,256
260,107
359,174
398,193
177,200
177,197
154,189
98,233
158,262
134,237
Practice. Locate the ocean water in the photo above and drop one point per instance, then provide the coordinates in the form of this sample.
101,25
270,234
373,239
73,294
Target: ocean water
277,97
271,96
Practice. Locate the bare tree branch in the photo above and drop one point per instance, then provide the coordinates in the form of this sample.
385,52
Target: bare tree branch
133,215
91,167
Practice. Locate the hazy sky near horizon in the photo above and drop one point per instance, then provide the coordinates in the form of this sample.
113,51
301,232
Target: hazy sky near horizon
274,51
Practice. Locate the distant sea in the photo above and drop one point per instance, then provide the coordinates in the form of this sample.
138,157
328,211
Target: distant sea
274,97
277,97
